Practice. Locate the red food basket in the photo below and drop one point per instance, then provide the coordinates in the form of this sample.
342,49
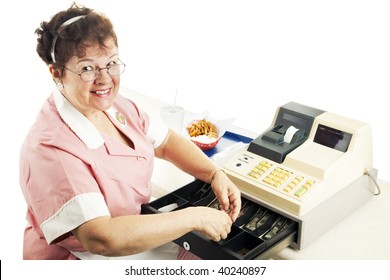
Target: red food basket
206,146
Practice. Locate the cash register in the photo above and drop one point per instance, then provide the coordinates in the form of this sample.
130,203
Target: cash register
304,174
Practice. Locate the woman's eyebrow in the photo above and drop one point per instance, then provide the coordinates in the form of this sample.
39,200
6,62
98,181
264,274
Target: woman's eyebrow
92,60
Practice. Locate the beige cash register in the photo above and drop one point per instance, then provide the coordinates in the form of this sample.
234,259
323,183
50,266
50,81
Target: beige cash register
308,171
312,166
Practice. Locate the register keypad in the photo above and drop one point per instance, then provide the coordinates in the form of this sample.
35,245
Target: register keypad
260,169
287,181
277,177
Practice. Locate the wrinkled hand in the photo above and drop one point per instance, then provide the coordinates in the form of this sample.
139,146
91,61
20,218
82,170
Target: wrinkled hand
228,195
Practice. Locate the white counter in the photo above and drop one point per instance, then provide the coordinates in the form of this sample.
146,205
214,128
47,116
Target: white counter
362,235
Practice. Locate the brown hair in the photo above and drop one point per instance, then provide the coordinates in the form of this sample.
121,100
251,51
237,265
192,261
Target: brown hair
72,39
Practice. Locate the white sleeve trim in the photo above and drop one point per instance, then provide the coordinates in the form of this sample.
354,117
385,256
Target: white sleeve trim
157,133
81,208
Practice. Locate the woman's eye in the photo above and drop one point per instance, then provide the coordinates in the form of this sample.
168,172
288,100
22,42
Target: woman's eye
87,69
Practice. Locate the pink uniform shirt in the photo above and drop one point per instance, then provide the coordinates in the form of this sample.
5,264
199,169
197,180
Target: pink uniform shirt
70,173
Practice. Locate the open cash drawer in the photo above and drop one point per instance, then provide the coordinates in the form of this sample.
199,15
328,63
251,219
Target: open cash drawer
258,232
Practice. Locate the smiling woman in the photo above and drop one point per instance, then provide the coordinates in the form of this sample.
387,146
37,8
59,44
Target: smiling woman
87,162
90,87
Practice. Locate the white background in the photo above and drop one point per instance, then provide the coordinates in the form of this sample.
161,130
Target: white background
238,59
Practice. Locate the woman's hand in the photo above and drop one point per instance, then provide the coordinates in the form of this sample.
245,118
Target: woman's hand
189,158
228,195
214,224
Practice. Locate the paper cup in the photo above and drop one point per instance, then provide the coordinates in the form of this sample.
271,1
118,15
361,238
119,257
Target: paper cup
173,117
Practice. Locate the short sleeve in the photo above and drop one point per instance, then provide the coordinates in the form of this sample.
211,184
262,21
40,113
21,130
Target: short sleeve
157,133
65,197
155,130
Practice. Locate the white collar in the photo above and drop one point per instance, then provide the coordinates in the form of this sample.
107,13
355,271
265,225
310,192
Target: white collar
78,123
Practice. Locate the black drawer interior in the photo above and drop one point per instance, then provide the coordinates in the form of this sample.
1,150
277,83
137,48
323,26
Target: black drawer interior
255,231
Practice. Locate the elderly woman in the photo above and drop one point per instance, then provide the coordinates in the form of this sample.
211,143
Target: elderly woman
86,163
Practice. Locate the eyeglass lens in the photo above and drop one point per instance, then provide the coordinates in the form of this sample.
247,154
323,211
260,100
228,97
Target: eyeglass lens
113,71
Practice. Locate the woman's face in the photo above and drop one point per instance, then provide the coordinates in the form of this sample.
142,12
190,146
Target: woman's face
98,95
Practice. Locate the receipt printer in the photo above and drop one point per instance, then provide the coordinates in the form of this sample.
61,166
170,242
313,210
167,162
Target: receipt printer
292,125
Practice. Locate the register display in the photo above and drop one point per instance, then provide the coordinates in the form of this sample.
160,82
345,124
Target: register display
332,138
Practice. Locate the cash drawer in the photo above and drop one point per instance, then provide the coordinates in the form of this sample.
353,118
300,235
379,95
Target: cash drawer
258,232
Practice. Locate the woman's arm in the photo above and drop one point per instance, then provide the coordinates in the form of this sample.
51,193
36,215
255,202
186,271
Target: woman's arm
189,158
127,235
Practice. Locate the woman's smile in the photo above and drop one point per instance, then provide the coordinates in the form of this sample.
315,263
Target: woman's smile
102,93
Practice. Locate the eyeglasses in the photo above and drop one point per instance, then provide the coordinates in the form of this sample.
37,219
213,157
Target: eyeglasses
91,75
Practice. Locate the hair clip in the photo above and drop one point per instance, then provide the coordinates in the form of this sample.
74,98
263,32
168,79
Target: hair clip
66,23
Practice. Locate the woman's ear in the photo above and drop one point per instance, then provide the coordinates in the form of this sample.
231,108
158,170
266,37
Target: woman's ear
55,73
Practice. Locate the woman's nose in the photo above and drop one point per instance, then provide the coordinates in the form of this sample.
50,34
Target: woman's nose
103,76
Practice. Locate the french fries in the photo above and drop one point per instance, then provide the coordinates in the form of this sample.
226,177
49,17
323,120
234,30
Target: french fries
202,127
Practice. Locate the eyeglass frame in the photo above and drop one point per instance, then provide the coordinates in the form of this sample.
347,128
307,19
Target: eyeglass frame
97,71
